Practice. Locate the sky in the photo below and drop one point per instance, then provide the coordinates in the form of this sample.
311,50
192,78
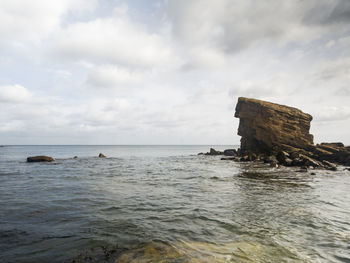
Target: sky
168,71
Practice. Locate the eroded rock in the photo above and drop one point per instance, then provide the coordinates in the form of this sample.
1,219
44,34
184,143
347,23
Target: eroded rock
266,127
280,132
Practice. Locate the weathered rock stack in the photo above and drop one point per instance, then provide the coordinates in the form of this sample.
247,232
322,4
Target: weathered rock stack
280,134
266,127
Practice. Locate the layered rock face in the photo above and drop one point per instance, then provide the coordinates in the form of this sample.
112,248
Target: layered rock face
267,127
280,135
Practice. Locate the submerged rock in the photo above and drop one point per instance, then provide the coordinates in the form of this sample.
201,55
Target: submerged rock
41,158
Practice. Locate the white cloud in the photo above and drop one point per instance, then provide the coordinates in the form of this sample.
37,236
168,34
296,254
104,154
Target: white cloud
331,114
114,77
30,21
15,94
115,40
330,70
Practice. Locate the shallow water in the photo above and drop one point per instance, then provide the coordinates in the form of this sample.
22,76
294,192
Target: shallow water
166,204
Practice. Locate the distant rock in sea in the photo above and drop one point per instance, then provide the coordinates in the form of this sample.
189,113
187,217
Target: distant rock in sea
213,152
40,158
101,155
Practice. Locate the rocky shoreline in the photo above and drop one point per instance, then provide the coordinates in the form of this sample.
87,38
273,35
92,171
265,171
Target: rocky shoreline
279,135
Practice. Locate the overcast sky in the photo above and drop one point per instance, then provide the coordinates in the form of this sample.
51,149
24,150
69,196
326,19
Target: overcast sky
168,72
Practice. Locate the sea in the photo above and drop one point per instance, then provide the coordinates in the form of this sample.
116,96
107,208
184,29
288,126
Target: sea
167,204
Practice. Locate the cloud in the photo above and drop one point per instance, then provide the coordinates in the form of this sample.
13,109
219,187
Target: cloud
331,114
100,72
15,94
276,86
230,26
109,76
338,69
30,21
327,12
114,40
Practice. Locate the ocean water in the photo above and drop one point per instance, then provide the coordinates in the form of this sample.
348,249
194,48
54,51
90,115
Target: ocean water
166,204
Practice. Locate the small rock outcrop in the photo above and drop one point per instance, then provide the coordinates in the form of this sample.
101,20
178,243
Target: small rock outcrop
212,151
101,155
41,158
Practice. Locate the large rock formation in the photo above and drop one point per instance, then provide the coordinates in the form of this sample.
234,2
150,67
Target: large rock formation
266,126
271,129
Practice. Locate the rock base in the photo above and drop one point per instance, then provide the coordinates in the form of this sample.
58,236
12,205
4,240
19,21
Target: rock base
322,156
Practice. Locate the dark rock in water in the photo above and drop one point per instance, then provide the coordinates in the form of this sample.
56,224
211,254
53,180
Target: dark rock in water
245,158
288,162
270,129
297,162
273,164
214,152
228,158
270,159
282,157
75,157
329,165
40,158
200,154
101,155
332,153
230,152
302,169
266,127
310,162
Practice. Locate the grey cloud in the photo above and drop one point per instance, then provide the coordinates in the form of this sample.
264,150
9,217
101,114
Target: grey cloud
328,13
232,26
331,114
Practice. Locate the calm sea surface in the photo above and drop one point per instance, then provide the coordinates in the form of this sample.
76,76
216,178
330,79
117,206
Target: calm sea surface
166,204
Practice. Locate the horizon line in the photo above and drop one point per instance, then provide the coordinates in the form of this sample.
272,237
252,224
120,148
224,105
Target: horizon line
2,145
